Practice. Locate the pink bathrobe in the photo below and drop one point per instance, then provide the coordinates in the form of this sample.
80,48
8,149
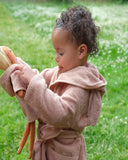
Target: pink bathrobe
63,104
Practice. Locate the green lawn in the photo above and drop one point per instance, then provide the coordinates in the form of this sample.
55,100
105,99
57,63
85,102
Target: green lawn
26,28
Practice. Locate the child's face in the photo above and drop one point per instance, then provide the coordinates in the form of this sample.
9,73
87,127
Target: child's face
67,54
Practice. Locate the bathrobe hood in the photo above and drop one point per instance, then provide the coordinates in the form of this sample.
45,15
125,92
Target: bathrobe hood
86,77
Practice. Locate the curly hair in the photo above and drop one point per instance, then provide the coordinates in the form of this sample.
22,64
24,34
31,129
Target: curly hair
80,25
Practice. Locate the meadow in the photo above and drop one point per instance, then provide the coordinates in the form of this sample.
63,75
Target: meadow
26,28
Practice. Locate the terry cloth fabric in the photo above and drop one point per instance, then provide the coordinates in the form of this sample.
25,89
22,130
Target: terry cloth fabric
64,104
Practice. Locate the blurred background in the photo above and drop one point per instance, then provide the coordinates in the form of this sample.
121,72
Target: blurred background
26,27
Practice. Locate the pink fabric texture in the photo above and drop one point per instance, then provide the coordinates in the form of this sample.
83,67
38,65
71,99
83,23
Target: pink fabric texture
63,104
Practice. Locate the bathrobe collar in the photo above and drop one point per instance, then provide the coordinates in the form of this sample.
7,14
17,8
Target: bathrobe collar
86,77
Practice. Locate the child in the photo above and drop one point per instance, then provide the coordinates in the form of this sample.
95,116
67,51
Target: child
64,99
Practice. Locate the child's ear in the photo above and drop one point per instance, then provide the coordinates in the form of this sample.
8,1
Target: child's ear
82,49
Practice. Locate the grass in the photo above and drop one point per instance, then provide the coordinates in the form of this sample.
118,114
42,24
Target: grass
26,28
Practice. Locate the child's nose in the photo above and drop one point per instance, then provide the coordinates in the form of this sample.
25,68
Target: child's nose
57,58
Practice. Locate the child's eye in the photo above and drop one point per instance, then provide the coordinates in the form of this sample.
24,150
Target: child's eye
61,54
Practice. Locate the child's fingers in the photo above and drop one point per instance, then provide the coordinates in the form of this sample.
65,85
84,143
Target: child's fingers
18,67
17,73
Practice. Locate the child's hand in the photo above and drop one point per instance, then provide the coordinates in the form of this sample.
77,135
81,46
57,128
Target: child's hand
25,73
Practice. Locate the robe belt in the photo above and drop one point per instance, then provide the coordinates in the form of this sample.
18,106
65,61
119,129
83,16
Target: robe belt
49,132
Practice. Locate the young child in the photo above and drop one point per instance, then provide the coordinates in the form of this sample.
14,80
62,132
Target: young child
64,99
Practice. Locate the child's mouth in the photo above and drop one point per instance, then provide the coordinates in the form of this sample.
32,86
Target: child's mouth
60,68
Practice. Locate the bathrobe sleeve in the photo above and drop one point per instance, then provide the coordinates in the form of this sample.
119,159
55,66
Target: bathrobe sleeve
51,108
6,82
